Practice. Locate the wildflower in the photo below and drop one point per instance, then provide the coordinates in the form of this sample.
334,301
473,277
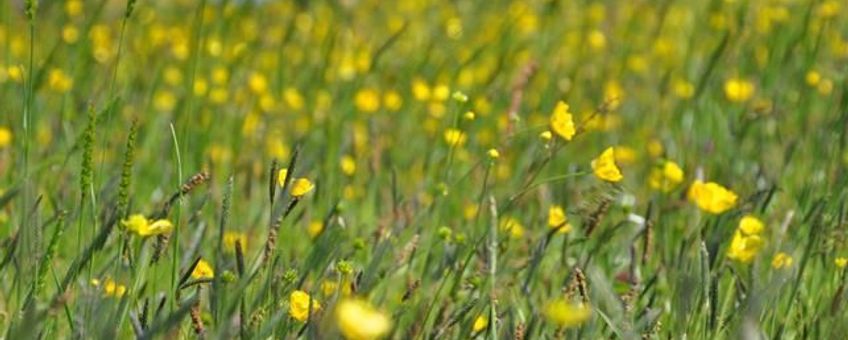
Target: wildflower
493,153
557,219
751,225
420,90
711,197
367,100
315,228
480,323
392,100
459,96
202,270
441,92
545,136
738,90
812,78
140,225
164,101
841,262
348,165
358,320
469,116
300,303
512,226
567,314
5,137
230,239
110,287
781,260
454,137
604,166
257,83
70,34
747,241
665,177
301,186
624,155
562,121
59,81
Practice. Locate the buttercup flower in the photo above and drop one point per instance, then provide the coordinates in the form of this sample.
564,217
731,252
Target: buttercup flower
299,305
512,226
358,320
747,241
562,121
230,239
605,168
143,227
566,314
666,177
301,186
480,323
738,90
557,219
781,260
202,271
712,197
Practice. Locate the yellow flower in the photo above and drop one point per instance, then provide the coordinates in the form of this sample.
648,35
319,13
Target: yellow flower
202,271
562,121
164,101
367,100
113,289
454,137
138,224
59,81
738,90
358,320
420,90
314,228
493,153
480,323
301,186
750,225
781,260
5,137
258,83
299,305
711,197
743,247
841,262
545,135
513,226
392,100
281,176
604,166
348,165
558,219
230,239
567,314
666,177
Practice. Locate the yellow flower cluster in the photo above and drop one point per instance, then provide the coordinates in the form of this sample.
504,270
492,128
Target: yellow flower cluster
712,197
748,241
143,227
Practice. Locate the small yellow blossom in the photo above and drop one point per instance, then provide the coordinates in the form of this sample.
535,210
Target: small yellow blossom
480,323
558,220
743,248
301,186
300,303
545,135
841,262
493,153
230,239
59,81
454,137
420,90
315,228
140,225
112,288
712,197
512,226
392,100
605,168
781,260
665,177
348,165
358,320
562,122
566,314
202,271
750,225
367,100
738,90
5,137
257,83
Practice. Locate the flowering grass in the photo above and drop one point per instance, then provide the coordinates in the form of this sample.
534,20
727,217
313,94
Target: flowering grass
423,169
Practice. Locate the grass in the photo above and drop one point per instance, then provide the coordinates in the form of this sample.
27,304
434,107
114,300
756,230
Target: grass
445,202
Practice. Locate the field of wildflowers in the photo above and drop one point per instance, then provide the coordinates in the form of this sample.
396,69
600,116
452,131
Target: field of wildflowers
423,169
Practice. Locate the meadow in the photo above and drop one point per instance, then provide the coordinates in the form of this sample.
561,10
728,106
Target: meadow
423,169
